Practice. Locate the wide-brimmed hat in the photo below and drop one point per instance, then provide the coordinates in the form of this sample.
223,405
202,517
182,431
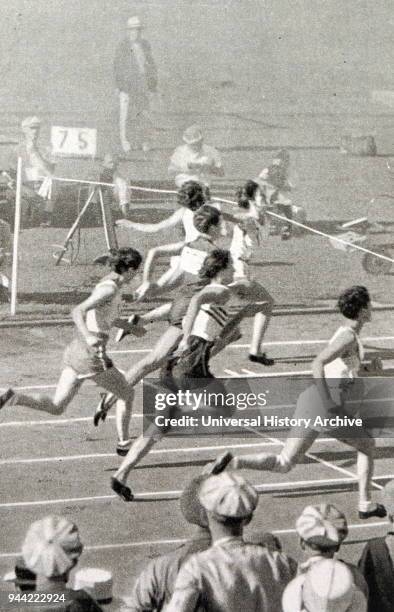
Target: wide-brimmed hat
190,503
29,122
192,135
134,23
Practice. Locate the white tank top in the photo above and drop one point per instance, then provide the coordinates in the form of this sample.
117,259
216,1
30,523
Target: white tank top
348,365
209,322
100,319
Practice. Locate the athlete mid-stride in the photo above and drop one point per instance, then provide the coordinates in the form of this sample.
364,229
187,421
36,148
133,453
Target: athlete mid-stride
337,392
85,357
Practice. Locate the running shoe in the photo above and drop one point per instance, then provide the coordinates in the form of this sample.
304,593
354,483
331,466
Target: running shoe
380,512
122,490
102,409
135,328
219,465
6,397
263,359
123,448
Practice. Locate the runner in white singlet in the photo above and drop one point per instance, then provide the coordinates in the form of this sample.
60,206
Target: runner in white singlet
335,370
85,357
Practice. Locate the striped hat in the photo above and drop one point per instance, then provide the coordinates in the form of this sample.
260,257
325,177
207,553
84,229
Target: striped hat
52,546
322,525
228,495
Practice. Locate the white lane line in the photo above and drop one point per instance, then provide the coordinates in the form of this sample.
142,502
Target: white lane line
176,541
248,372
170,495
164,451
231,373
272,375
273,343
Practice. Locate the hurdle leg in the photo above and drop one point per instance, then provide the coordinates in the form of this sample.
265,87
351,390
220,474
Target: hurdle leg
74,228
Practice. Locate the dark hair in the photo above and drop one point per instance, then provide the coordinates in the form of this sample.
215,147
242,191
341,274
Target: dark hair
320,546
231,522
206,217
215,262
192,195
121,260
353,300
246,192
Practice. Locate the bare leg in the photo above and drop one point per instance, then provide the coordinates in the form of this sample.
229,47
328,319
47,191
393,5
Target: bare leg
365,447
163,348
67,387
293,449
124,100
113,380
140,448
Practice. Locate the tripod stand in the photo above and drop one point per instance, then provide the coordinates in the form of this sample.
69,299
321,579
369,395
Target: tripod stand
106,215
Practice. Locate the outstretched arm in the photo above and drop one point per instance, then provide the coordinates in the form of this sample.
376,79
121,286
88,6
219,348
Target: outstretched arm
153,228
168,249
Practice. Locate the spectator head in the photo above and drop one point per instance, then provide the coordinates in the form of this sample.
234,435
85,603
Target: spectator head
229,500
192,195
355,303
327,586
31,127
249,192
207,220
193,137
134,27
52,547
389,499
322,528
282,158
110,161
190,504
218,262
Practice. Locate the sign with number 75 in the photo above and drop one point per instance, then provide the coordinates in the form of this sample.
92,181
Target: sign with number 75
73,141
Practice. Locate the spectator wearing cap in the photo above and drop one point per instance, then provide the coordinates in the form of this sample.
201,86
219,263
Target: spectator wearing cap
231,576
51,549
154,586
37,168
194,160
275,183
328,586
322,529
377,562
135,78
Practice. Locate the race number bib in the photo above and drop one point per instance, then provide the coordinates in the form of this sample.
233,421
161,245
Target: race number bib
69,141
191,260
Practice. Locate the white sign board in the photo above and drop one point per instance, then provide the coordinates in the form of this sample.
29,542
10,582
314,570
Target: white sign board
72,141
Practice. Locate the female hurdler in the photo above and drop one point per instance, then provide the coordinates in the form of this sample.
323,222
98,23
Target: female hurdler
335,371
85,357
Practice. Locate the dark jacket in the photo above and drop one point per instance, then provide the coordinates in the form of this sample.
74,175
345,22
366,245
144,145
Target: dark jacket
376,565
127,74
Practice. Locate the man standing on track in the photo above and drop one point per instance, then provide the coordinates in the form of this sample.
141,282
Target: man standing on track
136,78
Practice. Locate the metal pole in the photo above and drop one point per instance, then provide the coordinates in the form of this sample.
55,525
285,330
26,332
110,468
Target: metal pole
17,223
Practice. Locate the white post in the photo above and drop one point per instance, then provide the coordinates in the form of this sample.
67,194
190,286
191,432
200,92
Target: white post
17,223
